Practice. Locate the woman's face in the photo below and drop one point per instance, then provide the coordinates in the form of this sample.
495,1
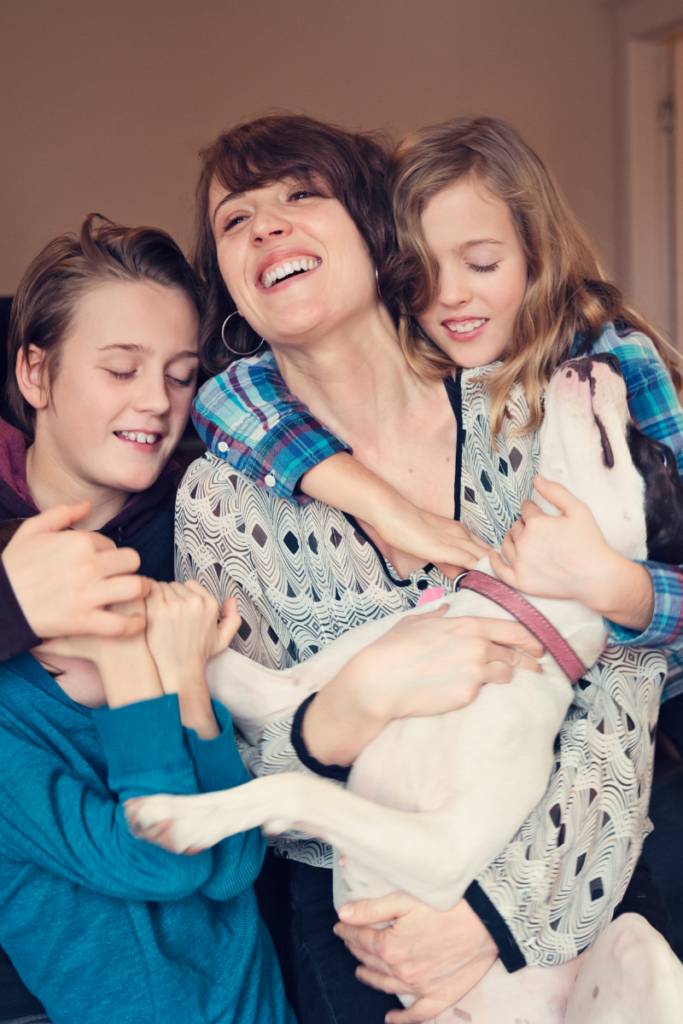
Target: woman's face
294,262
482,274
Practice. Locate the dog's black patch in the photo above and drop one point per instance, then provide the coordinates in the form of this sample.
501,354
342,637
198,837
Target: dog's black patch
656,464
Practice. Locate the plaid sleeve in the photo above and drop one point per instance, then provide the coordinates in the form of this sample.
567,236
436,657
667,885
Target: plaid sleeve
247,417
656,411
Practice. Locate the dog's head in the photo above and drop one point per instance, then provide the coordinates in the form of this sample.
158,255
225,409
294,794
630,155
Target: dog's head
629,481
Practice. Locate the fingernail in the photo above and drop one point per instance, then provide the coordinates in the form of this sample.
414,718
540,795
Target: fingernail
345,912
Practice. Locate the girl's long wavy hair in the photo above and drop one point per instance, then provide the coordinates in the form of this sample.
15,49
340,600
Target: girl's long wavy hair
567,293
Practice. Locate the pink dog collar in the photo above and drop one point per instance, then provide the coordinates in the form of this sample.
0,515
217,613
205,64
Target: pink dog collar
514,603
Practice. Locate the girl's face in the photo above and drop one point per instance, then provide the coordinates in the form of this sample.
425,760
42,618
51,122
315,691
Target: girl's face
293,261
482,274
124,384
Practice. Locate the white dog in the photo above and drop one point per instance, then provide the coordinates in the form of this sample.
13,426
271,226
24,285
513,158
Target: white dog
432,801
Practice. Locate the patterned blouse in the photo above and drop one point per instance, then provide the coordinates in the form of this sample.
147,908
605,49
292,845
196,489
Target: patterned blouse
305,573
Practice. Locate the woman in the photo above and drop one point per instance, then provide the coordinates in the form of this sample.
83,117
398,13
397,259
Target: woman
274,193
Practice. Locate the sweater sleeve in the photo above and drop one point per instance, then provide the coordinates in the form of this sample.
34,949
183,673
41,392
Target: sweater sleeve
236,860
247,417
16,636
51,817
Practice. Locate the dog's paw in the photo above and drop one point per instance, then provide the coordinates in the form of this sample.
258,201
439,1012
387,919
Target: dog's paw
153,818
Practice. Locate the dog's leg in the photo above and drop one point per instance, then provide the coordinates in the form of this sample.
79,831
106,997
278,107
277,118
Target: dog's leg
408,846
432,854
257,696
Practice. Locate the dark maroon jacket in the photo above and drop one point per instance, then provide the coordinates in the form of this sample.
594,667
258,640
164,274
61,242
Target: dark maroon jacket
145,523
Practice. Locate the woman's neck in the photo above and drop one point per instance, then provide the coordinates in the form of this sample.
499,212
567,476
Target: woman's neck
51,482
356,379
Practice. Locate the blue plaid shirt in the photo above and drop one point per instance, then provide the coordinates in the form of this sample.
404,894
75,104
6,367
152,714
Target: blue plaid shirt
247,416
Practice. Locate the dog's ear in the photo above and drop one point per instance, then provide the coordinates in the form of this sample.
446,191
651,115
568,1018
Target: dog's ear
656,463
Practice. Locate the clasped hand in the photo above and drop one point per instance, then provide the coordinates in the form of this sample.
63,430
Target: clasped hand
181,634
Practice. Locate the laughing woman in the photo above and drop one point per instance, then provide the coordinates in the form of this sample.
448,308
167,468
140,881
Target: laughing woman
296,244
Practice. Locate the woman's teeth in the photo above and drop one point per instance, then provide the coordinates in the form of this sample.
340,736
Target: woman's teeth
284,270
131,435
465,326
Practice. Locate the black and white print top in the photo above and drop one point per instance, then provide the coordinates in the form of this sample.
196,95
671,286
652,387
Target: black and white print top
305,574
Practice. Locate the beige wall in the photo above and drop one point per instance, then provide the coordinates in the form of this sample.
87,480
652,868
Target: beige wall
104,103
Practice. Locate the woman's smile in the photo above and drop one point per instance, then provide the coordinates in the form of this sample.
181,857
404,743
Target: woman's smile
270,239
282,266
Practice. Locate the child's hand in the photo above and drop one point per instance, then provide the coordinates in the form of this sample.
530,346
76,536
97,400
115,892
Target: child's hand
125,665
567,557
101,649
182,634
445,542
71,581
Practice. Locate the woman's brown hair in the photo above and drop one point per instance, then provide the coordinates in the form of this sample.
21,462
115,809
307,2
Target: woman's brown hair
350,166
567,294
44,305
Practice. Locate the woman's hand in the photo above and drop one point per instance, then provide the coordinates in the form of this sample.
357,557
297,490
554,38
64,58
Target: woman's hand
567,557
182,634
425,665
437,956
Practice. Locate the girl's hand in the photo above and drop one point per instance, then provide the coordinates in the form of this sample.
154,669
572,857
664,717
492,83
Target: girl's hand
102,650
342,481
446,543
425,665
125,665
182,634
73,581
435,955
567,557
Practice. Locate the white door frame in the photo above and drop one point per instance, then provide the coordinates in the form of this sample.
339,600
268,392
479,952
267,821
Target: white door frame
646,236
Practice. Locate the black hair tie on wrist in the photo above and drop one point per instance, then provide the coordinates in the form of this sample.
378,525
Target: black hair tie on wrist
328,771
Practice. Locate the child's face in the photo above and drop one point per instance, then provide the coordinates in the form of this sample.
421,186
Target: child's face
482,274
124,385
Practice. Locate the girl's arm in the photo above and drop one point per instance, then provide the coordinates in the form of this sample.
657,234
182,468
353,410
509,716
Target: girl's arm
247,417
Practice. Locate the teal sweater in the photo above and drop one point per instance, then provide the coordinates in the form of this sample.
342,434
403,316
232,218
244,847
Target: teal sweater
101,926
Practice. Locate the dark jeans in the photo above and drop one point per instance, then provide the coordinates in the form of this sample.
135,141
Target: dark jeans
15,999
319,971
671,721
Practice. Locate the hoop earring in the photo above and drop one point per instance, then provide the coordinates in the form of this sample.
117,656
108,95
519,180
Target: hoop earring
379,294
234,351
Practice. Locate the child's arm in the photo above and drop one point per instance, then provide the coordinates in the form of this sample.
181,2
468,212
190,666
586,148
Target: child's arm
345,483
247,416
55,580
183,632
80,830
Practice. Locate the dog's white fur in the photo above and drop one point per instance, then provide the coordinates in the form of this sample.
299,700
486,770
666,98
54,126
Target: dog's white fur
432,801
